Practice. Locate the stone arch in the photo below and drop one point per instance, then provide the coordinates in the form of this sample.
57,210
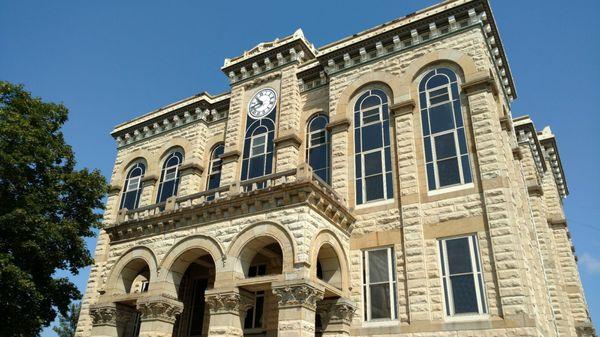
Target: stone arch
327,249
128,267
246,244
462,62
127,162
182,254
176,142
390,81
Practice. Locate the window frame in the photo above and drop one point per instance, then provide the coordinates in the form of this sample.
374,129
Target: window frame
478,279
392,285
138,183
326,144
164,172
385,149
429,138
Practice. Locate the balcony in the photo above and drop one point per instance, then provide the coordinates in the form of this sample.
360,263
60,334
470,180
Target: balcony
283,189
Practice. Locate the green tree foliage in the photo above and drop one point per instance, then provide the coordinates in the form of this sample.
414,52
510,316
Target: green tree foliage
47,207
68,324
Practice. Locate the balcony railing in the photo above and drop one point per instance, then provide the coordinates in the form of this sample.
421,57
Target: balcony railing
302,174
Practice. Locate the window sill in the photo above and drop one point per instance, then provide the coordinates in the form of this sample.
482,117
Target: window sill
450,189
380,323
375,203
467,318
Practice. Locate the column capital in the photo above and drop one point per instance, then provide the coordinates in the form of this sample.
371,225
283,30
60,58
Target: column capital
405,107
233,301
104,314
297,293
334,311
159,308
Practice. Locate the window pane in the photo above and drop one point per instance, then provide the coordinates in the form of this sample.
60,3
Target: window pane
462,142
260,300
318,157
466,169
448,172
430,176
437,81
389,185
359,196
444,146
374,187
373,163
380,301
425,123
257,167
371,137
371,115
459,257
457,113
378,266
370,102
428,153
441,118
464,296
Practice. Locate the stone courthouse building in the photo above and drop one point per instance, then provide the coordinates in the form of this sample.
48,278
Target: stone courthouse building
375,186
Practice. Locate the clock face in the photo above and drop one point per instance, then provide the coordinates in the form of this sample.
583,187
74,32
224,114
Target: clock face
262,103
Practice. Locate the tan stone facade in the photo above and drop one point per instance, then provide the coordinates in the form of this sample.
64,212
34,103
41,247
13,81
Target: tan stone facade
286,253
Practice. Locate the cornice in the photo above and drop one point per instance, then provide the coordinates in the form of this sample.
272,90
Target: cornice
191,168
337,125
230,156
548,143
526,134
403,108
287,140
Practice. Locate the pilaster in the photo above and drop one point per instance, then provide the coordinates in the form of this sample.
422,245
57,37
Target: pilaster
227,311
234,133
297,301
158,315
340,149
336,316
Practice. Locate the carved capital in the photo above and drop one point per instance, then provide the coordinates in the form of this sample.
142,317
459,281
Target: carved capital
338,125
299,294
337,311
403,108
231,301
104,314
159,309
191,168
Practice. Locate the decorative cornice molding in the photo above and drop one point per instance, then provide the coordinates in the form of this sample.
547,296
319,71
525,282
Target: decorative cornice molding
230,156
288,140
190,168
338,125
298,293
233,301
403,108
149,179
159,308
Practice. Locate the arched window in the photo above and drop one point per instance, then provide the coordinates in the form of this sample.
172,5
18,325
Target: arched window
318,147
258,147
446,155
133,186
214,170
169,177
373,162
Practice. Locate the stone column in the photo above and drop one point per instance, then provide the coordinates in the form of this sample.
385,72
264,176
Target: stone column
158,315
147,196
190,179
227,311
111,319
297,301
286,152
336,317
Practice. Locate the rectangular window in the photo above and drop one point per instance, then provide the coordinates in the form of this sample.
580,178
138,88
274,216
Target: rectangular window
254,315
379,284
462,278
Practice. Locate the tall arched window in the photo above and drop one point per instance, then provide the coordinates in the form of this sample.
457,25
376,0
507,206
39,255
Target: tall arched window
169,177
373,162
318,147
258,147
446,155
214,170
133,186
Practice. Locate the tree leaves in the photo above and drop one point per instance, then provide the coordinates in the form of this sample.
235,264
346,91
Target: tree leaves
47,207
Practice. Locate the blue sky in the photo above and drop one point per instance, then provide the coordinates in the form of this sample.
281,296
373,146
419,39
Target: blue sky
109,61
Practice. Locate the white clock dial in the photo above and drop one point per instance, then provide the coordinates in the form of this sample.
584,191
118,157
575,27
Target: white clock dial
262,103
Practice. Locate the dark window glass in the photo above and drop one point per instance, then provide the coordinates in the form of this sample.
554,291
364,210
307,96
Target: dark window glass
428,153
448,172
133,187
465,298
373,163
371,137
318,147
425,122
258,147
169,178
437,81
444,146
374,187
462,141
459,257
431,176
466,169
197,316
380,301
441,118
370,101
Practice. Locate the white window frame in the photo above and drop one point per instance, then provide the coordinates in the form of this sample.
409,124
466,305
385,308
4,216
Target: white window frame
263,135
480,293
392,283
384,168
454,131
